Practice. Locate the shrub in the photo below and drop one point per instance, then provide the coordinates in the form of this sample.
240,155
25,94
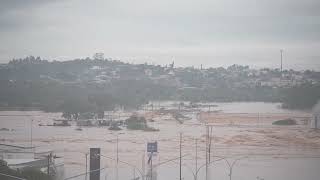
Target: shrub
286,122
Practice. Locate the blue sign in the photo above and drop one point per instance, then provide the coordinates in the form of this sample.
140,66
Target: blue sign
152,147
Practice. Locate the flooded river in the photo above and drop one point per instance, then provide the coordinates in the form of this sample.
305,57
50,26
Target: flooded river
265,152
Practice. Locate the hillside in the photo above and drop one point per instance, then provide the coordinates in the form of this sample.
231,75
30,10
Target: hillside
102,84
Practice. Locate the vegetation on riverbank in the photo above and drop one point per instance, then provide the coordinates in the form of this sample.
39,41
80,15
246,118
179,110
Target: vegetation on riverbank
285,122
301,97
135,122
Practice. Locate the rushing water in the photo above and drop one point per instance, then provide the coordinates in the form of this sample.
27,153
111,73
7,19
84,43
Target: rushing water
73,145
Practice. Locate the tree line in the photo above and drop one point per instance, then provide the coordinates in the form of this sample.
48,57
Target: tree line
68,87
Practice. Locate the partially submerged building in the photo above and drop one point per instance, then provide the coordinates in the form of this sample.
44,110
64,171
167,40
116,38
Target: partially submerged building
21,157
16,152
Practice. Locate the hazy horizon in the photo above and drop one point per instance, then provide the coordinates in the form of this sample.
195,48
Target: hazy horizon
212,33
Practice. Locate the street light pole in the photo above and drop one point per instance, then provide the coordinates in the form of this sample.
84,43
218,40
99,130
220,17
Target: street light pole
221,158
31,133
134,173
231,166
151,167
143,165
117,148
207,158
134,167
86,166
117,161
48,165
117,154
180,156
196,159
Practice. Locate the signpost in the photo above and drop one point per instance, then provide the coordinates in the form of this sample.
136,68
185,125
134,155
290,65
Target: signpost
94,163
152,149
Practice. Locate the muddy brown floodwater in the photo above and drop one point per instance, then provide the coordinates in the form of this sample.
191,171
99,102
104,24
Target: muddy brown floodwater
266,151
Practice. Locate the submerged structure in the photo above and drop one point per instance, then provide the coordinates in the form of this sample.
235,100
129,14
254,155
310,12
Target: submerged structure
21,157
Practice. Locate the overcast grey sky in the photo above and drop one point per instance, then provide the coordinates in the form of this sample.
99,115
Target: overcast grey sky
193,32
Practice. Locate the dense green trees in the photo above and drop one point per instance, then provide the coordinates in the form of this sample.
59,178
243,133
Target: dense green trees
301,97
136,123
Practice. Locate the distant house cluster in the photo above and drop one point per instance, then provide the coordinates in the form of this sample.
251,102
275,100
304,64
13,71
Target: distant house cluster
235,76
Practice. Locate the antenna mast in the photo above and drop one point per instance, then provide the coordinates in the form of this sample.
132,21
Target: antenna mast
281,54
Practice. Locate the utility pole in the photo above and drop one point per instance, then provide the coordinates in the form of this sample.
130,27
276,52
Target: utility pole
117,148
180,156
117,173
31,132
196,170
209,131
151,166
152,111
210,140
207,138
86,166
48,165
208,149
281,53
143,164
134,173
